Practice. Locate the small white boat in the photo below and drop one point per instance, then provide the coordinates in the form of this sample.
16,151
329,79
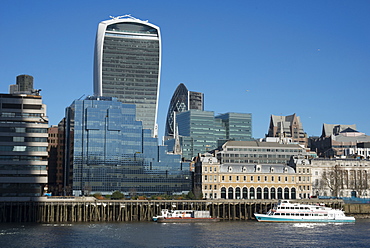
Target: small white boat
184,216
285,211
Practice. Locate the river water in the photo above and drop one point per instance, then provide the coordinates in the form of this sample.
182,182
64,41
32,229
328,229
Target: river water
220,234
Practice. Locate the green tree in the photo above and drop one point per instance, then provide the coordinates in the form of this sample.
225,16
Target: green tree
117,195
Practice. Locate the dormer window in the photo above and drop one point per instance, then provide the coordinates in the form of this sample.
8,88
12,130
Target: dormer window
244,169
230,169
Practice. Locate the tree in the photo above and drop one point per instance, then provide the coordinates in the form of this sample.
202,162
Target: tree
117,195
332,179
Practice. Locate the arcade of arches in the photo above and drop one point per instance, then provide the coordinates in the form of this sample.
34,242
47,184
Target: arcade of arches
258,193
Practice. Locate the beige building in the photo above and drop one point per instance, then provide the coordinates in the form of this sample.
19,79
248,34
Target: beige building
245,181
340,177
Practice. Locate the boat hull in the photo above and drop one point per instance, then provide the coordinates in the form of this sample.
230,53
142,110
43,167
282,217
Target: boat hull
269,218
186,220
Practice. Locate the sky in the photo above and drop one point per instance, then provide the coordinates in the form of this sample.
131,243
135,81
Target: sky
263,57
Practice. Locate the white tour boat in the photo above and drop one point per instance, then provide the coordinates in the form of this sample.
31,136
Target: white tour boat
285,211
184,216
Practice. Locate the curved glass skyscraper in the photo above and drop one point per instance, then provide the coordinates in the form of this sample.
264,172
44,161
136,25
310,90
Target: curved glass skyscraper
181,101
127,65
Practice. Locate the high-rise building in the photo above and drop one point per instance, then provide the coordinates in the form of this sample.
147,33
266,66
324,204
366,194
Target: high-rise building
127,65
201,131
23,145
182,100
109,150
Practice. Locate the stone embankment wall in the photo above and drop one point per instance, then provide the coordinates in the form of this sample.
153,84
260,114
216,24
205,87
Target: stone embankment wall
357,210
87,209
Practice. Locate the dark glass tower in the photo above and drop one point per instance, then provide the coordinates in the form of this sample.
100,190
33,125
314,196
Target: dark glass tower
127,65
182,100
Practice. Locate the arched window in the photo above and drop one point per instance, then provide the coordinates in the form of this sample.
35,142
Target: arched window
280,193
245,193
293,193
273,193
265,193
237,193
286,193
230,193
223,193
259,193
251,193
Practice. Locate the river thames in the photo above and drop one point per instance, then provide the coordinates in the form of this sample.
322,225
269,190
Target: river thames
220,234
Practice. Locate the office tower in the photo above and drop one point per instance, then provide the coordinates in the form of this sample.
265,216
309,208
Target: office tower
182,100
127,65
200,131
288,129
109,150
238,126
23,145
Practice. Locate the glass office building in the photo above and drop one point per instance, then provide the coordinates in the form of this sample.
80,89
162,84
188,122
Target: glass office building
182,100
127,65
111,151
200,131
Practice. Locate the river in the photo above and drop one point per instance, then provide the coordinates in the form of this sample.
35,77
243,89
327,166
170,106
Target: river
220,234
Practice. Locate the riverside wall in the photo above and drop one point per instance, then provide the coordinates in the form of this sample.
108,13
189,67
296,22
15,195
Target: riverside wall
88,209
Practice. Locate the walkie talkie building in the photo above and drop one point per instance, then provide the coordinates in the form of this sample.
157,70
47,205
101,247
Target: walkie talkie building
127,65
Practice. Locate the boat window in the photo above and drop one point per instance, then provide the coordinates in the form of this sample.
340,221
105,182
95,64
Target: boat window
301,214
282,207
277,213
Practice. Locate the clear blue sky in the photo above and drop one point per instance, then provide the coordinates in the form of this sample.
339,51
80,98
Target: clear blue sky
311,58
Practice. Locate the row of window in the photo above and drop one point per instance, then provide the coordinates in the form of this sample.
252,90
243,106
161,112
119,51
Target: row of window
263,150
244,178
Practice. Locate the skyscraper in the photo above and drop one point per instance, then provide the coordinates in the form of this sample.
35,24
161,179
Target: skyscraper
182,100
127,65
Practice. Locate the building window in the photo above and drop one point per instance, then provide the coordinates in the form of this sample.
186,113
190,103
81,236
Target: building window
252,178
265,178
215,187
279,179
272,179
245,178
205,178
286,179
205,186
237,178
215,178
230,178
258,178
223,178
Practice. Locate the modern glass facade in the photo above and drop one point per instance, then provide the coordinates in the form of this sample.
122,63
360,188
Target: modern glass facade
23,145
182,100
200,131
111,151
238,125
127,65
